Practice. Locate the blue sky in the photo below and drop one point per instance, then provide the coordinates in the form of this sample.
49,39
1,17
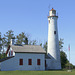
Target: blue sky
30,16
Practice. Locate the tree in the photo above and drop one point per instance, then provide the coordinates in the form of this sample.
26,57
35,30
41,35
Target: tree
4,42
63,55
64,60
61,43
9,35
33,42
0,42
40,44
67,65
45,47
21,38
30,42
2,55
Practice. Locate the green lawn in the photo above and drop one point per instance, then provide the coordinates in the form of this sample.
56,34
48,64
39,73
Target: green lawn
37,73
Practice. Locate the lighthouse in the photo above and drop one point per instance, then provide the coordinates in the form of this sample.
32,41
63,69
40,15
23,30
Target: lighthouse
53,43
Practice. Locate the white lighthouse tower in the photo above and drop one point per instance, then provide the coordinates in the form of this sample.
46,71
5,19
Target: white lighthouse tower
53,43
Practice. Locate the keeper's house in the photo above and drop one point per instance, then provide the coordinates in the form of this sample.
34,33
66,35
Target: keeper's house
23,57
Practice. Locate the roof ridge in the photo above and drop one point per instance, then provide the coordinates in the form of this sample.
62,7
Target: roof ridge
28,48
25,45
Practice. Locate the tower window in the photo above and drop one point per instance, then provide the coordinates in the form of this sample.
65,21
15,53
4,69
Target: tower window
54,32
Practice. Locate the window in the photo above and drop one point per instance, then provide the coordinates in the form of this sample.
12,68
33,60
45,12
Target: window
29,61
21,62
54,32
38,61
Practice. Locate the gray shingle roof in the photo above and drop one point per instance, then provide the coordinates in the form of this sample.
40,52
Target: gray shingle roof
1,60
28,49
47,57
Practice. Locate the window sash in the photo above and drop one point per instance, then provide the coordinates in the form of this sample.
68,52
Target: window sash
29,61
21,62
38,61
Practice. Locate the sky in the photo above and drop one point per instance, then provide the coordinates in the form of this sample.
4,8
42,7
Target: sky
30,16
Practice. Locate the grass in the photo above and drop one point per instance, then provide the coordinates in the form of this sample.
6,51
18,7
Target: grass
37,72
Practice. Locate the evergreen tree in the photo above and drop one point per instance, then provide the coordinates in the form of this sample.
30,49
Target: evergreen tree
45,47
40,44
9,35
4,42
21,38
0,45
34,42
61,43
0,42
64,60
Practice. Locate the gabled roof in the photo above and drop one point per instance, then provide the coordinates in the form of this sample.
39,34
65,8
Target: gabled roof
28,49
8,49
